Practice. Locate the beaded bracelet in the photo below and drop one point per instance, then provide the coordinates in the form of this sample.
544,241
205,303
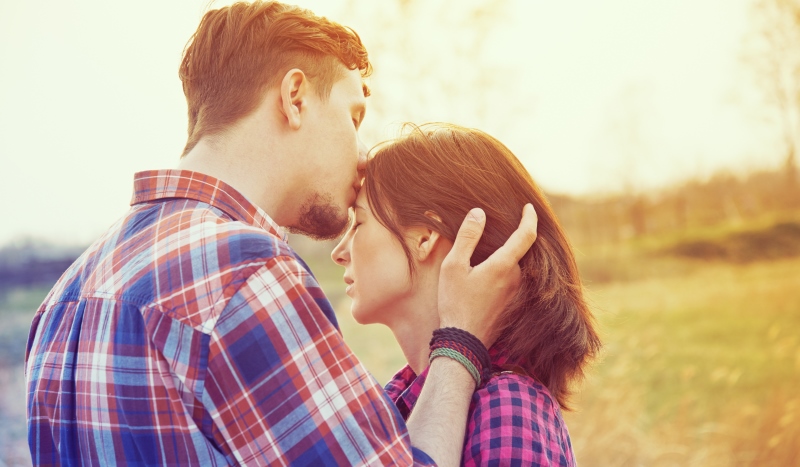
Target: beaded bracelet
463,347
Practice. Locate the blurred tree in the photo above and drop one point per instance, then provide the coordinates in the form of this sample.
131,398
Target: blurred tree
435,61
774,57
629,132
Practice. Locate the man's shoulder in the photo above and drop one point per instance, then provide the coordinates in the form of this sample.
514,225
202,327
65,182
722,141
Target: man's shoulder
204,250
161,254
195,231
196,223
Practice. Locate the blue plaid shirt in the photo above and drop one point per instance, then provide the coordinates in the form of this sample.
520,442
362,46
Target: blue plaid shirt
191,334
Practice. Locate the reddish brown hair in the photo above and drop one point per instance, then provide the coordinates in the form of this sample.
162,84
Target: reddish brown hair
241,50
548,331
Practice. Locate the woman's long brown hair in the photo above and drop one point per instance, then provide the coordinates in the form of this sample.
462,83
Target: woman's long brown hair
549,330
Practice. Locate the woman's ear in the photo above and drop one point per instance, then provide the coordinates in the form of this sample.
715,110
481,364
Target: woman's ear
425,239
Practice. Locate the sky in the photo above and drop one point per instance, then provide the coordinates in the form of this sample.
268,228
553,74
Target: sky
593,97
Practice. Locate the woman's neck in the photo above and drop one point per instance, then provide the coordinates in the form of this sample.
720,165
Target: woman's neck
414,339
413,330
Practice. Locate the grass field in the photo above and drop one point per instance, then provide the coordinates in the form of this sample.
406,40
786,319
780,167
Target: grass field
699,368
16,311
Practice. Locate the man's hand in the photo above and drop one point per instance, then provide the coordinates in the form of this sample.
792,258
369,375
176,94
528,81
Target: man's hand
472,298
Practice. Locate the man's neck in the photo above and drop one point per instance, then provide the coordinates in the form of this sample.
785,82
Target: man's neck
242,167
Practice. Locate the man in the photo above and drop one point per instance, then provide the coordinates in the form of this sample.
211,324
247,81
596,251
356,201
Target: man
191,333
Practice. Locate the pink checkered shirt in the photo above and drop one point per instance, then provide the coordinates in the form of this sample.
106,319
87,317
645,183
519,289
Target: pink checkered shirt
190,333
513,420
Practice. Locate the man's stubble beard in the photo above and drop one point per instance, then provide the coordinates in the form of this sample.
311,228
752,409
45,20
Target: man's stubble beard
320,218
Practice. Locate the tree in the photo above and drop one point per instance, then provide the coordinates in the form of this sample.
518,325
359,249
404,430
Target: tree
774,58
432,62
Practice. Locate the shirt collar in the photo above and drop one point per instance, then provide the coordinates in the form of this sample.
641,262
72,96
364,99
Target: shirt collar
153,185
410,386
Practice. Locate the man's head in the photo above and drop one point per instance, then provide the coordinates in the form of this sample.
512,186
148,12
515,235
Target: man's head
311,69
243,49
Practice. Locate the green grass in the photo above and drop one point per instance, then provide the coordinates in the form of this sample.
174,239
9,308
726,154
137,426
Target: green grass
770,237
730,331
693,361
774,242
22,300
17,307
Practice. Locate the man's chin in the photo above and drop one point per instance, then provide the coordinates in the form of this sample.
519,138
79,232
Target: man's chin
319,235
320,219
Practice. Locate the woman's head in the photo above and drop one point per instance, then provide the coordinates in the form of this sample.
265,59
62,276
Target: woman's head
429,179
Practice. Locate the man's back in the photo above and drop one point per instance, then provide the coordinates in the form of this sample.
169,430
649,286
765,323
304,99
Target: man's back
191,333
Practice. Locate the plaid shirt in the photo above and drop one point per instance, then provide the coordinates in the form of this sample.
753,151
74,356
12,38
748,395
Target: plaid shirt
190,333
513,420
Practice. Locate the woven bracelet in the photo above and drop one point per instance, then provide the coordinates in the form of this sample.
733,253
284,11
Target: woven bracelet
444,335
450,353
468,347
460,348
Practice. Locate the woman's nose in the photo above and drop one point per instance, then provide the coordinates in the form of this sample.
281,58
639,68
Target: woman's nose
340,255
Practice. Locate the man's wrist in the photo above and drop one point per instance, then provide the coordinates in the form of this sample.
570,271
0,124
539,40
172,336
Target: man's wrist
454,372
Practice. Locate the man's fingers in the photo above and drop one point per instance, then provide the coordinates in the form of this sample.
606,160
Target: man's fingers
520,241
468,236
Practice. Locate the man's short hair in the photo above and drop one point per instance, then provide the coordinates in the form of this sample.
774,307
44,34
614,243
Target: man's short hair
240,51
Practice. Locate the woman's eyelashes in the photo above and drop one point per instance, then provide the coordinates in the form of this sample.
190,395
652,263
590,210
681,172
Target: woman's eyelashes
354,223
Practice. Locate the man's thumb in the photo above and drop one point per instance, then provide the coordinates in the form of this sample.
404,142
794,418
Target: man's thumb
468,235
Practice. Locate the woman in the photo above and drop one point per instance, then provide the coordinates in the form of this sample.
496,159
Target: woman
416,191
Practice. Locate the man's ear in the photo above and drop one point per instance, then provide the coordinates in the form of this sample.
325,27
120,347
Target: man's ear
294,92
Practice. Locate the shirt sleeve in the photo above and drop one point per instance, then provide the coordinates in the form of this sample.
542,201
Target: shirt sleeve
283,387
515,423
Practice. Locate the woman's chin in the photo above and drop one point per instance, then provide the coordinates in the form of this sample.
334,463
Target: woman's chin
362,316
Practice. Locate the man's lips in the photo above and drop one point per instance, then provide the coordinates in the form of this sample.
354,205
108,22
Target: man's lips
349,281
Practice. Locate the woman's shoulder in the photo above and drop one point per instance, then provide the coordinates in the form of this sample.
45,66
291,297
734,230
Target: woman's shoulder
513,418
520,389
